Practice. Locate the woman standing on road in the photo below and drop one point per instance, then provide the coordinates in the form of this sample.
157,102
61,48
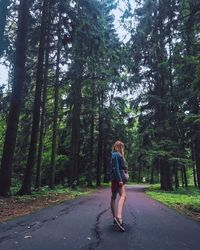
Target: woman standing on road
118,167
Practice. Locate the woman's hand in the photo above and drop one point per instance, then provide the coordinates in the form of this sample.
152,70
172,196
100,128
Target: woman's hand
121,183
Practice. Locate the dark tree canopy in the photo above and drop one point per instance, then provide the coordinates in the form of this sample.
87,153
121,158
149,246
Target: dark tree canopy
75,87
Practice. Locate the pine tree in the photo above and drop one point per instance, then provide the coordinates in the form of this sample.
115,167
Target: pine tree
27,181
16,99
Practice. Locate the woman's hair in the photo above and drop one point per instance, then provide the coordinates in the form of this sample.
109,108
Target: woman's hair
119,146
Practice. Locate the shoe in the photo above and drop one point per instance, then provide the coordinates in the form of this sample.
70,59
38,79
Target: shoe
114,222
120,225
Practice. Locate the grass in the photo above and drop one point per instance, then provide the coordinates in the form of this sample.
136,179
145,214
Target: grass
184,199
58,190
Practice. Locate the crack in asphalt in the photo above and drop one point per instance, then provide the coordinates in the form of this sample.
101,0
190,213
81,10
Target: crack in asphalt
97,233
97,229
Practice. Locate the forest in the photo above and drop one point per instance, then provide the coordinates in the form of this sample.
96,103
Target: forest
75,87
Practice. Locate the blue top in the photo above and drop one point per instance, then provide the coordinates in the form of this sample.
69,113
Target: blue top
117,164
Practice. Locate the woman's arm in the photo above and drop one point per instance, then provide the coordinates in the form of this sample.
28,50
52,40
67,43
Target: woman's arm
116,166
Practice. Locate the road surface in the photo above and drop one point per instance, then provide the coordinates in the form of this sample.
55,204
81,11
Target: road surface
86,224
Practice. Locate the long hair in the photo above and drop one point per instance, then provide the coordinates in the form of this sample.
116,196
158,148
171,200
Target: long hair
119,147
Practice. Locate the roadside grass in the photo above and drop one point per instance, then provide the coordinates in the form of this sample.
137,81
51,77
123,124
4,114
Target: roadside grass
186,200
136,183
58,190
74,192
127,183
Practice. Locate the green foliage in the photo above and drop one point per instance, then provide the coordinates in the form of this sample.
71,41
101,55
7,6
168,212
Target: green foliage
144,92
183,197
61,190
164,51
46,191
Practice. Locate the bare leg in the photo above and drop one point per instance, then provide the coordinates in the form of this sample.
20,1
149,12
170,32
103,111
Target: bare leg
122,193
113,206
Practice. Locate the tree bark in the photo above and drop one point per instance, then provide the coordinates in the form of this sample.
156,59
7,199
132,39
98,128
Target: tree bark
90,165
139,170
16,100
75,137
26,186
43,108
100,141
56,107
3,14
152,175
182,177
185,176
105,158
165,175
197,157
193,165
176,176
193,102
163,107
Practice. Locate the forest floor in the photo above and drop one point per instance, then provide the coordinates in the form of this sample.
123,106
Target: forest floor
184,200
14,206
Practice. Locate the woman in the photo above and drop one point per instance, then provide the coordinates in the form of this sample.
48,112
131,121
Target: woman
118,183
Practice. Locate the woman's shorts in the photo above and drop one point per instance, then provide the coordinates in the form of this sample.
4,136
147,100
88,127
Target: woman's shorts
115,188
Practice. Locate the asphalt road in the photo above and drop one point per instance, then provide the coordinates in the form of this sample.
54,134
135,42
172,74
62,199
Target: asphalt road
86,224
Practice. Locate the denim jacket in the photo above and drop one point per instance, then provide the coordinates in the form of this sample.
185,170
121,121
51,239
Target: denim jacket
117,164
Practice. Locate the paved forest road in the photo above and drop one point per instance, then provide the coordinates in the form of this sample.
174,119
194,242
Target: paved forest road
86,224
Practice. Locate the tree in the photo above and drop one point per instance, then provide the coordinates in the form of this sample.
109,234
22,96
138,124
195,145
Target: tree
26,186
16,99
3,14
43,106
56,107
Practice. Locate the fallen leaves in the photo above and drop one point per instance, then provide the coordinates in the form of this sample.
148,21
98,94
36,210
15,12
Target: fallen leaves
16,206
183,209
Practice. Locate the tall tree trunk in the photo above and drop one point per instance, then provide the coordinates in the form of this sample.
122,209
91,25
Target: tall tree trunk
26,186
16,99
133,168
152,175
163,107
43,108
193,101
55,116
193,164
91,149
75,137
181,152
165,175
196,135
139,170
197,156
100,142
185,176
3,14
182,177
176,175
105,158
